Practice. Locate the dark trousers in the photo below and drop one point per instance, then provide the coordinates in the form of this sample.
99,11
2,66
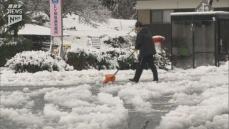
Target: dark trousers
143,61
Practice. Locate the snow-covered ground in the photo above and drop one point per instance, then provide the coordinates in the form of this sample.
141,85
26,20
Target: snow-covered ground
182,99
73,27
113,27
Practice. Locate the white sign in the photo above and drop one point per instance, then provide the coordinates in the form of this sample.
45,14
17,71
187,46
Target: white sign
14,13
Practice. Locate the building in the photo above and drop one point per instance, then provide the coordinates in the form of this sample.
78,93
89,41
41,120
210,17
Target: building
39,35
199,38
156,13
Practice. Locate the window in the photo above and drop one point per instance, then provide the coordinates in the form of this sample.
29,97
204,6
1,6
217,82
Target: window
157,16
161,16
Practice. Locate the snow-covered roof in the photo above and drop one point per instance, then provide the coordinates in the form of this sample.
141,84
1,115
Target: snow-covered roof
199,13
32,29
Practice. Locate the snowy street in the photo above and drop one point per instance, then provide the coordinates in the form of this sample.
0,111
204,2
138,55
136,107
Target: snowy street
76,64
182,99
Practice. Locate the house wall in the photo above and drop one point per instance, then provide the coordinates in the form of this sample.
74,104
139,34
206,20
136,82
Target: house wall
176,4
144,16
146,10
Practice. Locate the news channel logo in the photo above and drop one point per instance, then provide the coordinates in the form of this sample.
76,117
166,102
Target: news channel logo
14,12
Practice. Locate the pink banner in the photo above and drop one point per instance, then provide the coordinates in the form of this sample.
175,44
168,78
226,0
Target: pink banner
55,17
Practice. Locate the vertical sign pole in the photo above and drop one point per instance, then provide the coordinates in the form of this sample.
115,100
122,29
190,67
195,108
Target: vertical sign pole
61,54
56,24
51,27
51,43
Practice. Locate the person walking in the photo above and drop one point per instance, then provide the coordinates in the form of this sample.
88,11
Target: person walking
146,51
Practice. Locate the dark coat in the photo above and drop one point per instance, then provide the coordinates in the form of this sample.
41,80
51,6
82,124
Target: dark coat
144,43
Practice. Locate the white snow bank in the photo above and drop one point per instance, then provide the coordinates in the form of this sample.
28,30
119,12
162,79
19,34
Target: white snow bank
194,116
15,99
203,104
139,97
88,111
45,78
185,87
22,117
218,122
74,107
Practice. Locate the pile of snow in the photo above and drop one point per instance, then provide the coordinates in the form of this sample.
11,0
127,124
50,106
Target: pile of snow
139,97
102,111
23,117
69,108
208,110
15,99
33,61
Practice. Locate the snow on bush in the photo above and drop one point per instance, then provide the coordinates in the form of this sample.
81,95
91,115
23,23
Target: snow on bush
162,59
33,61
87,60
112,54
118,42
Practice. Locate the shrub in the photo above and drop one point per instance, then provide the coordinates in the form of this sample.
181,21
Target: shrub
105,60
34,61
126,63
162,60
83,60
118,42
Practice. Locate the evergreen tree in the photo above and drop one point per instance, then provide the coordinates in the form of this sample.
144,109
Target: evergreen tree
120,8
88,10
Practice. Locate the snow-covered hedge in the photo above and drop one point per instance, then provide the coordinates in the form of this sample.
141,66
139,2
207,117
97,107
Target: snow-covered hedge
118,42
162,60
82,60
111,59
34,61
114,53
